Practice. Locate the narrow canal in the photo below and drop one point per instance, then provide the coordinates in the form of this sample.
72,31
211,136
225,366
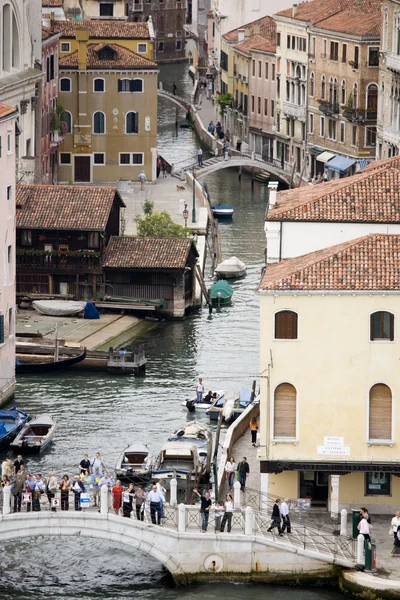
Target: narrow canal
105,413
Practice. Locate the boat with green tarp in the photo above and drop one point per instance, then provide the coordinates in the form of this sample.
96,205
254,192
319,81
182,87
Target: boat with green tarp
221,293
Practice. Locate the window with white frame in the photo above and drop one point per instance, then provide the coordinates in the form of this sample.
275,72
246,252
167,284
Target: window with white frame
285,399
26,237
99,85
331,129
142,48
322,126
65,84
131,158
65,47
65,158
132,122
342,132
9,142
380,412
312,84
311,123
99,123
99,158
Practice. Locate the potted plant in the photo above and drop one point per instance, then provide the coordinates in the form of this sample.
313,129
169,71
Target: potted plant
348,111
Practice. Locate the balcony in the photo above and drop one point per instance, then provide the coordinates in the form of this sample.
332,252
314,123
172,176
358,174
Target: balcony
79,261
393,61
56,139
137,7
294,110
329,108
359,115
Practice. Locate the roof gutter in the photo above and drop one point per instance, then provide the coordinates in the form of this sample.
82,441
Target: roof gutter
277,293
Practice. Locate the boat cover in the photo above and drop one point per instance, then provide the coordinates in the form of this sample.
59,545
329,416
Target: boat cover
91,311
223,287
58,308
9,414
3,430
231,265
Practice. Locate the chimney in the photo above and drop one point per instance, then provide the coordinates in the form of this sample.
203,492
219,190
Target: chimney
294,10
82,37
256,30
247,33
241,35
272,187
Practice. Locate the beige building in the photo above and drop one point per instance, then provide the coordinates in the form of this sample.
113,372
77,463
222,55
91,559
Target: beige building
329,421
109,95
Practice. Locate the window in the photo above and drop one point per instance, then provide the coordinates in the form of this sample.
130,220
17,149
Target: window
312,51
137,158
99,123
93,239
178,45
354,135
285,325
380,412
372,98
342,132
224,61
134,158
312,84
356,57
26,237
285,411
1,329
377,484
323,87
382,326
160,46
9,142
344,53
142,48
259,68
99,158
10,322
278,39
266,107
132,122
124,85
322,126
52,70
272,108
311,123
370,137
125,158
252,104
266,70
373,56
259,105
331,129
65,158
160,24
106,9
65,47
65,84
67,118
343,92
99,85
288,41
136,85
334,54
324,48
273,71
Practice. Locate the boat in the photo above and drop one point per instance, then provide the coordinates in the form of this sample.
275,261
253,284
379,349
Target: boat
233,404
222,210
231,268
42,367
198,434
134,464
11,422
58,308
193,404
35,435
221,293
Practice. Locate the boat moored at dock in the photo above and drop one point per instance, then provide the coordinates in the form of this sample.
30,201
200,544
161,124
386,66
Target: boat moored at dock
206,402
35,435
231,268
221,293
11,422
134,464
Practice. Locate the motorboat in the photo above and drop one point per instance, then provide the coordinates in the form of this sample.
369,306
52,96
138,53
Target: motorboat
198,434
222,210
59,308
233,404
134,464
35,435
221,293
33,368
231,268
193,404
11,422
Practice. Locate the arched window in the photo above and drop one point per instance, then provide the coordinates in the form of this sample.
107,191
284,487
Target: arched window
285,411
372,97
65,84
333,90
6,37
323,87
355,96
312,84
380,412
343,92
99,85
285,325
132,122
15,56
99,122
137,85
382,326
67,118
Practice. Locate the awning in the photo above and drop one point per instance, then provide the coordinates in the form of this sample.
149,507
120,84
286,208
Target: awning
325,156
340,164
315,150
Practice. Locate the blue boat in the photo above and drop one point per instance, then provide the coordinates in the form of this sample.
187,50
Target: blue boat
11,422
222,210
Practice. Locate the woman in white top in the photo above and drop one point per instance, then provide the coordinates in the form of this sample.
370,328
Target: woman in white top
230,470
365,528
395,523
228,513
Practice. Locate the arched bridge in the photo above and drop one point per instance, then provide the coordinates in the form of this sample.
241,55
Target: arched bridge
178,100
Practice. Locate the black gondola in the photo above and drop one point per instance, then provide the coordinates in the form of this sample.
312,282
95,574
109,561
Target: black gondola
56,365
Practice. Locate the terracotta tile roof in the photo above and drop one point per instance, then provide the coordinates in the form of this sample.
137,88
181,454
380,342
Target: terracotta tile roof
354,23
267,27
367,263
104,29
368,197
256,42
47,33
147,253
318,11
124,59
52,3
376,165
6,110
65,206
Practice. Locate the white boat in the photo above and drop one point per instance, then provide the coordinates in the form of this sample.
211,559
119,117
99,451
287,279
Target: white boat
35,435
58,308
198,434
134,464
193,404
231,268
235,402
222,210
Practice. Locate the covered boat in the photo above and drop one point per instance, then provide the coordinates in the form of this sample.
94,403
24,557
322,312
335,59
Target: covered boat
235,402
231,268
222,210
35,435
207,401
52,365
134,464
58,308
221,293
11,422
198,434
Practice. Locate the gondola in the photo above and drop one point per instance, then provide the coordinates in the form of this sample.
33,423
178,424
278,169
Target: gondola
57,365
11,422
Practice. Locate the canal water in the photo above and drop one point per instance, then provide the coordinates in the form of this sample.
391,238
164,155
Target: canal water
100,412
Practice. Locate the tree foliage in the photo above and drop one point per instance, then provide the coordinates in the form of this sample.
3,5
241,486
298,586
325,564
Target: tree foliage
160,225
224,100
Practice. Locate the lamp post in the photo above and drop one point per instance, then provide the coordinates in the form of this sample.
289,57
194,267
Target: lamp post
185,214
194,197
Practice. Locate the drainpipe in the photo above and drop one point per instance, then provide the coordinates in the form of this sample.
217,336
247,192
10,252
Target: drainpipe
306,128
280,242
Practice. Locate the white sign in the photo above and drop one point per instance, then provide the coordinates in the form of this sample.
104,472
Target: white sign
330,440
333,446
85,498
55,502
26,498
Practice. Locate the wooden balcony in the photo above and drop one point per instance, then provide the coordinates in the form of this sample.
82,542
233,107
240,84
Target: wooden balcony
54,261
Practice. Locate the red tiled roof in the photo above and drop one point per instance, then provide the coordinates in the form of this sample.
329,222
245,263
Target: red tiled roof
376,165
354,23
47,33
52,3
368,197
65,206
147,253
124,59
104,29
6,110
368,263
256,42
318,11
266,25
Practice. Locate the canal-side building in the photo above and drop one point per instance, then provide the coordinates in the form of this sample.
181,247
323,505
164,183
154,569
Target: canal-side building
313,217
329,425
93,9
62,233
52,10
8,116
52,117
159,271
109,97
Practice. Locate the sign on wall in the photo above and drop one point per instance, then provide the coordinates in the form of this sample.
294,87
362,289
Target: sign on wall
333,446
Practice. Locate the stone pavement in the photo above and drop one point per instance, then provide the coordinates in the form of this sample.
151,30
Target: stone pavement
242,448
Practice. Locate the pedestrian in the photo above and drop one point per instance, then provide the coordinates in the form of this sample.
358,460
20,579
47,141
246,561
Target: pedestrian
140,501
17,490
106,480
155,500
239,146
37,492
364,515
364,528
142,178
243,472
77,488
395,523
204,509
218,516
158,167
30,489
51,488
97,463
226,150
117,496
127,498
227,518
174,88
7,468
396,543
285,516
230,470
95,486
5,481
164,168
22,470
253,429
85,463
200,157
162,491
64,487
18,463
276,517
199,387
211,128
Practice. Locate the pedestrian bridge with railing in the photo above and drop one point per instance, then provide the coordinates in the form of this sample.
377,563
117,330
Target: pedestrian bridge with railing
248,550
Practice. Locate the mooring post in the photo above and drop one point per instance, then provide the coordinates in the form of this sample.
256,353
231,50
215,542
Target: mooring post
360,549
248,523
343,522
173,497
104,500
6,500
181,518
236,494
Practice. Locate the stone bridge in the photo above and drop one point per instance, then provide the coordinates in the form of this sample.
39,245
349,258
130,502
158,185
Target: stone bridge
178,100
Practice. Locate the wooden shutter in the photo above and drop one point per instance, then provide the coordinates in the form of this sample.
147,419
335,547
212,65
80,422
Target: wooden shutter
380,412
371,327
285,411
286,325
120,85
391,327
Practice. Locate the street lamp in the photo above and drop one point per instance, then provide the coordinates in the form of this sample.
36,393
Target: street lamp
194,197
185,214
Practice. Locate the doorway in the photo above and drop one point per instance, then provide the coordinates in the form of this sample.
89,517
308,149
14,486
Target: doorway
314,485
82,169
